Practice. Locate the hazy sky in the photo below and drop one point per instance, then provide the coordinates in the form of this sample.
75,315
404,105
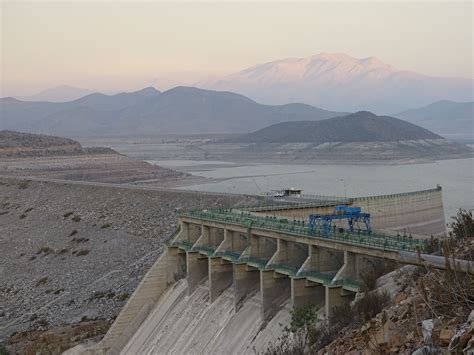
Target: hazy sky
113,46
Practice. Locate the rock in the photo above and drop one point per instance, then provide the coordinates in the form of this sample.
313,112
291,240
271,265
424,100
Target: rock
389,334
470,319
400,297
445,336
426,350
427,327
469,349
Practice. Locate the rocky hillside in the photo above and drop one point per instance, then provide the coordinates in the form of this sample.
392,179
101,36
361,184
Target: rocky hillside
22,144
73,253
179,110
362,126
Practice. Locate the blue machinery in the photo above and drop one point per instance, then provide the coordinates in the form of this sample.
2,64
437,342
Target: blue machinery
353,215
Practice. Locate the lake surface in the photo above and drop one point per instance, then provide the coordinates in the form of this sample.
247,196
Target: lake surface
455,176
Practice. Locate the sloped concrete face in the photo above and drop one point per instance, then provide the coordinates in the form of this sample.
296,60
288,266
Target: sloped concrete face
197,270
220,277
274,291
246,284
304,293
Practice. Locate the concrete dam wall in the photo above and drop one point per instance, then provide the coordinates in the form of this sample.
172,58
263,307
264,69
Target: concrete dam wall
418,212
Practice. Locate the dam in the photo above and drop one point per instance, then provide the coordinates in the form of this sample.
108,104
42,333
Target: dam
229,277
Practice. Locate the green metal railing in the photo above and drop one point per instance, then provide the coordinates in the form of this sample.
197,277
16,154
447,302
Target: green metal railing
260,262
299,228
327,279
292,270
185,244
324,278
207,249
234,256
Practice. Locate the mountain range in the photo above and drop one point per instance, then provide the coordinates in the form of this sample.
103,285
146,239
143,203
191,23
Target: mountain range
341,82
448,118
60,93
148,111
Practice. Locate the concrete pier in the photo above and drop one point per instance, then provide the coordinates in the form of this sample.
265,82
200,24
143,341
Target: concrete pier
175,264
197,270
220,276
336,297
305,292
275,289
246,283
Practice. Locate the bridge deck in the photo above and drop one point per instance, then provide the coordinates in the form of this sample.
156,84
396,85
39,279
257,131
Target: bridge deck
284,226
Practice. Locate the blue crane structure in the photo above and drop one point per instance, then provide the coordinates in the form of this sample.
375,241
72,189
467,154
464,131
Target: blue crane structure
341,212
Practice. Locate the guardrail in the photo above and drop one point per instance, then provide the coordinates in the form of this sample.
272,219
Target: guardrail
284,225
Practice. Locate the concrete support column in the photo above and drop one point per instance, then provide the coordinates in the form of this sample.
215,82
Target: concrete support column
322,260
305,292
197,268
336,297
281,253
355,265
184,231
175,264
274,291
220,277
246,284
205,235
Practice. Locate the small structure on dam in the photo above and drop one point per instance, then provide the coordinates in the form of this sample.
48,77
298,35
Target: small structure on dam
269,255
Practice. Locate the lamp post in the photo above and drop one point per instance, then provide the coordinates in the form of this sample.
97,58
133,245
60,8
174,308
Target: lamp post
345,187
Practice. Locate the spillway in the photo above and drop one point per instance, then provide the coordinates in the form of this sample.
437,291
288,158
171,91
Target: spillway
182,324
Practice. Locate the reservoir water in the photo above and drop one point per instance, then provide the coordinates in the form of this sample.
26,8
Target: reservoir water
455,177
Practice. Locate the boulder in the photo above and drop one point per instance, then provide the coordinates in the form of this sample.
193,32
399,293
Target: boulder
445,336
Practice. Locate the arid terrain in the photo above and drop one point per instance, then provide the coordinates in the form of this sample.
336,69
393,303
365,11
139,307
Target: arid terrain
42,156
72,253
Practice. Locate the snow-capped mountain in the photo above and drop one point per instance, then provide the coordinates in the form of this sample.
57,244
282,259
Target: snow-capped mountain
341,82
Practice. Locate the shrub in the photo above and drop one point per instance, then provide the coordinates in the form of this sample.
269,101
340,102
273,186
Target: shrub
74,232
107,225
67,214
45,251
76,218
3,350
123,296
62,251
82,252
80,240
24,184
28,210
22,216
42,323
41,281
462,225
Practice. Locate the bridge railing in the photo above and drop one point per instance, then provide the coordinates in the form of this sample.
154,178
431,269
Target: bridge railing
284,225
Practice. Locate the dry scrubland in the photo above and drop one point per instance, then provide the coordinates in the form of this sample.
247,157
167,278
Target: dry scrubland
75,252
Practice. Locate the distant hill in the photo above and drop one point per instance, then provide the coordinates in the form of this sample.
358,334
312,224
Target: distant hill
338,81
362,126
449,118
21,144
179,110
60,93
